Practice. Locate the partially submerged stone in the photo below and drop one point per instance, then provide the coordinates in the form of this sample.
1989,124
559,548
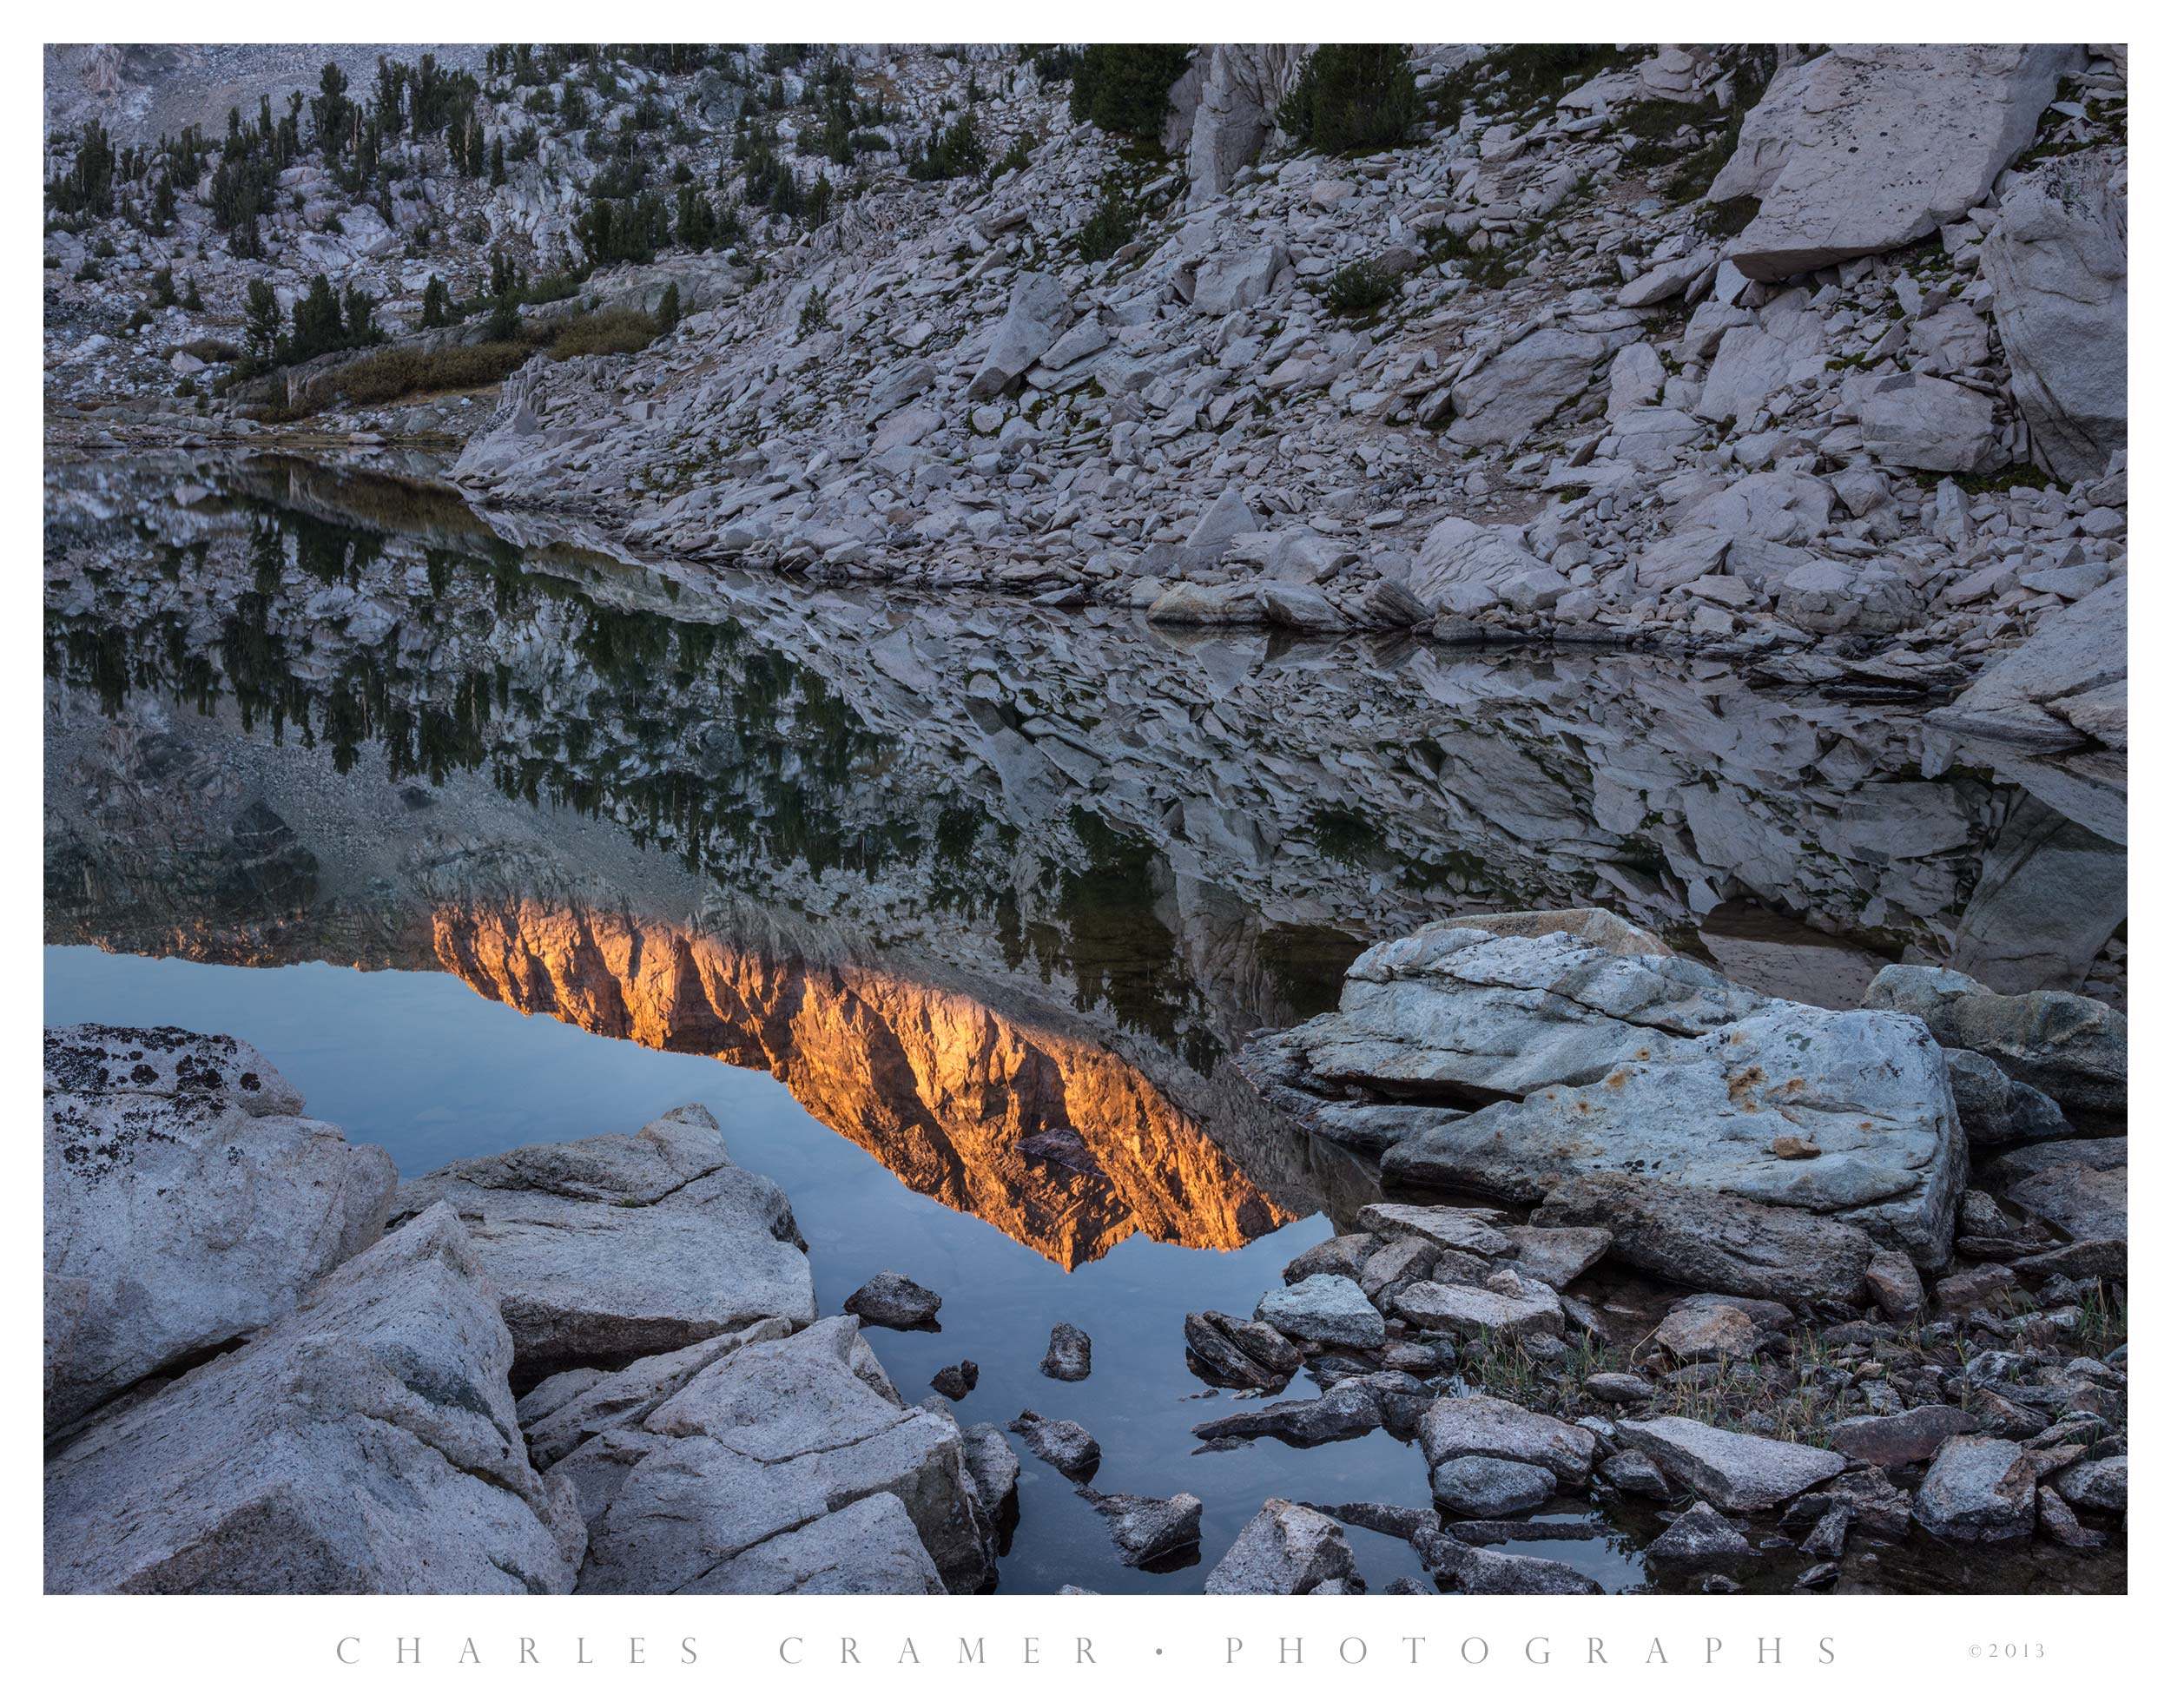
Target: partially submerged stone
1285,1550
188,1202
1145,1529
1066,1446
363,1445
894,1301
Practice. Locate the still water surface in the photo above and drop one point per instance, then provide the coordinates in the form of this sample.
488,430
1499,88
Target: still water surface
488,840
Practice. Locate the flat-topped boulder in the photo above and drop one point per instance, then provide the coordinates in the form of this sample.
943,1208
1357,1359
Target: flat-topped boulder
1460,1426
1511,1052
774,1435
187,1202
1846,1114
364,1444
1493,1006
619,1247
1734,1472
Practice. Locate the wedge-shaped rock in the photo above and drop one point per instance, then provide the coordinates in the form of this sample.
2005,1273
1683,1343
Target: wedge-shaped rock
1734,1472
1040,310
187,1203
1461,1425
363,1445
1979,1488
759,1442
1862,150
620,1247
1285,1550
1716,1240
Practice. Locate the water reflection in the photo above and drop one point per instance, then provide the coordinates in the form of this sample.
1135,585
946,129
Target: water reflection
994,891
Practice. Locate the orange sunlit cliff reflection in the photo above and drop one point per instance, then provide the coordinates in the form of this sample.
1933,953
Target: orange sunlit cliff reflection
1061,1143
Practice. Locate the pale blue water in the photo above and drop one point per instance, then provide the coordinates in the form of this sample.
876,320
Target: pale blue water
369,1051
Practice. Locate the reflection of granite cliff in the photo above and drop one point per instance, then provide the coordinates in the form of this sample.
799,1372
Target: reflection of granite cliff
944,1090
911,766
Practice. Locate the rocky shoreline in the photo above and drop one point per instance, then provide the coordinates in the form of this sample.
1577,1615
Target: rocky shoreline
600,1367
1611,386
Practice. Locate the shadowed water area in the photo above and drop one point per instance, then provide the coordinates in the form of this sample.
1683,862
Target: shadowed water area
954,914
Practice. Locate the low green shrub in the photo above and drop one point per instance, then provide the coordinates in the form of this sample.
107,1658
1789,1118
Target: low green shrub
1358,289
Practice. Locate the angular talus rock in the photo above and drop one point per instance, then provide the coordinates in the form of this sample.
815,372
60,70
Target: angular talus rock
620,1247
2056,263
1864,148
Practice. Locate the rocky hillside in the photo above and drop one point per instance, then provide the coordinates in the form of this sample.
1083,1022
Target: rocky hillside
1609,344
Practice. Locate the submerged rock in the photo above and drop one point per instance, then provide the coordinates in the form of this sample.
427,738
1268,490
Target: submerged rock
1285,1550
363,1445
617,1247
188,1202
1145,1530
